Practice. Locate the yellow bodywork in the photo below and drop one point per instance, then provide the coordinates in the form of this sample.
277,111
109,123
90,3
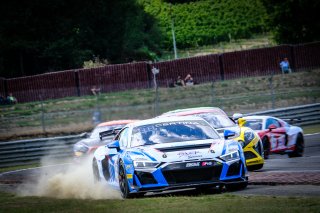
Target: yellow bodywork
253,158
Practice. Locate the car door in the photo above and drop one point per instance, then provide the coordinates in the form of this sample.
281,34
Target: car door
277,134
122,137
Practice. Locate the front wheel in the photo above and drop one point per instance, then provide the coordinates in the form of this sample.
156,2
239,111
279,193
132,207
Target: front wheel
298,150
236,186
123,182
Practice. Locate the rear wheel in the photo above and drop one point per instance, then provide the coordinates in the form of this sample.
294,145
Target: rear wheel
266,147
298,150
95,170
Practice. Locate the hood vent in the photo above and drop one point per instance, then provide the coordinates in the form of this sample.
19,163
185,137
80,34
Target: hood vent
187,147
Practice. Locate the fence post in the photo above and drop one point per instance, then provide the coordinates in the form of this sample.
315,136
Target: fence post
212,93
42,116
271,90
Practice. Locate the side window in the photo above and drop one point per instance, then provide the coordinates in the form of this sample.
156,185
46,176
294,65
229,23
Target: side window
277,123
268,123
273,121
123,138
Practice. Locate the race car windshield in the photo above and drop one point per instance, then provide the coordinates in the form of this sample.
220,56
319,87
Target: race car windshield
169,132
217,121
98,129
254,124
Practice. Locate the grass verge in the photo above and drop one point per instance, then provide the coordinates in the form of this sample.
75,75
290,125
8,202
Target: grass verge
203,203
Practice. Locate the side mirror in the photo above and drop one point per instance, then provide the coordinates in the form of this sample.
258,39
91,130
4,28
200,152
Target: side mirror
114,145
271,127
228,133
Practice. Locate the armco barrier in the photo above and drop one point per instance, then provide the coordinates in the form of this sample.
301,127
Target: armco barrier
297,115
24,152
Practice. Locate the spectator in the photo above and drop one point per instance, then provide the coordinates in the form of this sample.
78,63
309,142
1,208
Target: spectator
2,100
95,90
285,66
11,99
189,80
179,82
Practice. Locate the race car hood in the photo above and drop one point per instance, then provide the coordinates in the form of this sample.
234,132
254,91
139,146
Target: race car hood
191,150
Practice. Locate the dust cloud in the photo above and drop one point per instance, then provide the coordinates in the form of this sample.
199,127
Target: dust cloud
68,180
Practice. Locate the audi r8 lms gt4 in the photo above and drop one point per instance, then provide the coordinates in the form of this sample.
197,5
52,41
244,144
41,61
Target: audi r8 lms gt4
161,154
93,141
251,142
277,135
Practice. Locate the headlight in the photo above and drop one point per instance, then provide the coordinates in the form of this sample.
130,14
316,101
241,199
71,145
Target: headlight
230,156
144,164
80,149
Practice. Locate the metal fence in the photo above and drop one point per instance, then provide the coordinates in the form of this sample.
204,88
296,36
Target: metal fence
214,67
25,152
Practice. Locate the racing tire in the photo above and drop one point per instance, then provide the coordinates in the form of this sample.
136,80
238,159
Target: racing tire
255,167
105,168
95,170
299,148
236,186
266,148
123,182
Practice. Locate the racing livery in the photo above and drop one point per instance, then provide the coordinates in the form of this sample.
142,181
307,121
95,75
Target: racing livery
277,135
170,153
218,119
89,145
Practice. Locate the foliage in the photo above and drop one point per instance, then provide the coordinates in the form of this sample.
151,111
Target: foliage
294,21
38,36
198,23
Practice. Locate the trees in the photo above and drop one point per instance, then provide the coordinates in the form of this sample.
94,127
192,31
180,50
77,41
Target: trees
294,21
38,36
205,22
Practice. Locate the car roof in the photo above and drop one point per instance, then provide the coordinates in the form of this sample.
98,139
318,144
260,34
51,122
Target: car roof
116,122
195,110
165,119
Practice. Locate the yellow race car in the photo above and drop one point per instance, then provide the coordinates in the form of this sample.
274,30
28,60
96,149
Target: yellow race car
251,142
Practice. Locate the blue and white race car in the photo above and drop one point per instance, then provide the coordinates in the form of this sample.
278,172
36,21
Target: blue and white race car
161,154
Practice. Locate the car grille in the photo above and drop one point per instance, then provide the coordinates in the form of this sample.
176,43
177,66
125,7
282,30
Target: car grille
249,155
145,177
193,175
188,147
234,169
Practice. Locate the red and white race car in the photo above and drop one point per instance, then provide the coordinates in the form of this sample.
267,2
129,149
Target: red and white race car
277,135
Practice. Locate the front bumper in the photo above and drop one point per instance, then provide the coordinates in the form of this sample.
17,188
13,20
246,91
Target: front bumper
179,175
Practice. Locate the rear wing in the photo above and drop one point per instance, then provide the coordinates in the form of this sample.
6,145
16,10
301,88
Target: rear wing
110,132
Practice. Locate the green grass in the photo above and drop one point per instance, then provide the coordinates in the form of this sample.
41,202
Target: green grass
311,129
202,203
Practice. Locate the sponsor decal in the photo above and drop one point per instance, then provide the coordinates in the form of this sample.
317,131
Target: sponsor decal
207,163
129,176
194,164
190,154
164,155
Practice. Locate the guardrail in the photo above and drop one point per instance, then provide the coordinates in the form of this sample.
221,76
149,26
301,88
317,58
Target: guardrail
25,152
297,115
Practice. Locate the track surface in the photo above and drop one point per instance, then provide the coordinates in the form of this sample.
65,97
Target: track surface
280,175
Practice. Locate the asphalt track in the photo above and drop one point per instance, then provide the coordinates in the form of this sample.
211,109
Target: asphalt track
280,176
